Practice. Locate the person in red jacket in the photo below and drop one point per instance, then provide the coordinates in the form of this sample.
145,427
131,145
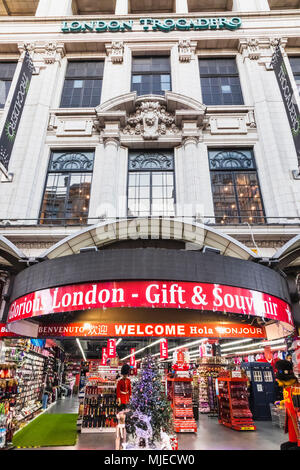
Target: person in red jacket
124,387
287,379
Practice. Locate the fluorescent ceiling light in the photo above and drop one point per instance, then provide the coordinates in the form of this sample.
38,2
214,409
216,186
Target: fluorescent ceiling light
143,349
245,353
80,347
232,343
119,341
264,343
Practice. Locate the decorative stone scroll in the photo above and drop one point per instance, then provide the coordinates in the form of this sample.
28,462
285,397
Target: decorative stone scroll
185,50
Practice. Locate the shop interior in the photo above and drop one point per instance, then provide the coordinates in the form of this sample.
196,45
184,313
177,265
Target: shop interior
219,392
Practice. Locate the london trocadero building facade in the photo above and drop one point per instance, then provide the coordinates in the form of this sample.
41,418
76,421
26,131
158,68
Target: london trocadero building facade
153,168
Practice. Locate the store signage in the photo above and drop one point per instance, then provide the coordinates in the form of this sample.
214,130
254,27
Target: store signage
111,348
202,330
104,357
4,333
288,96
132,357
150,294
164,349
15,111
152,24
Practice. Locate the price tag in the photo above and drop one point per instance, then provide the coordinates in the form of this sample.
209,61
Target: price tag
248,428
236,373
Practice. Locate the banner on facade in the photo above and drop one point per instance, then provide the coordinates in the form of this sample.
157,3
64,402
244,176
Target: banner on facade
201,330
111,348
150,294
288,96
14,114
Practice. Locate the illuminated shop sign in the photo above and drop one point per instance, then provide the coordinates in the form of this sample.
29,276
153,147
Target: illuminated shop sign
150,294
150,24
205,330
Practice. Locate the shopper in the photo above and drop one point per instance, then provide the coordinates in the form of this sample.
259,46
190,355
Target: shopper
46,394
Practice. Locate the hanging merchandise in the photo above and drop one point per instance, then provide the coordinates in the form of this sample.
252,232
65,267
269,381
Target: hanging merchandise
208,370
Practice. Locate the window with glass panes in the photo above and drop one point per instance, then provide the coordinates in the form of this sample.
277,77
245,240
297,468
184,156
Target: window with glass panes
151,184
220,82
7,70
83,84
295,64
68,186
235,187
151,75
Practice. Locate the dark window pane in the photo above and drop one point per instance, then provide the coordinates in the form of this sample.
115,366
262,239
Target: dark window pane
67,192
235,187
83,84
220,82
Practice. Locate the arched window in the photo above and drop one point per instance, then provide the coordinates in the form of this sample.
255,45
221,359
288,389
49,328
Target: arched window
235,186
151,186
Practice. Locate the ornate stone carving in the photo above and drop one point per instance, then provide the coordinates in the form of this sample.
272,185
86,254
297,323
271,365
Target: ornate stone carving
185,50
44,52
151,120
116,52
260,49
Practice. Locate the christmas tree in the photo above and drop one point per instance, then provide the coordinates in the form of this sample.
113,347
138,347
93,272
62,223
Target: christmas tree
149,410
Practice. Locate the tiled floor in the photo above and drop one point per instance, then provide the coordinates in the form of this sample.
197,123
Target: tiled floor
210,436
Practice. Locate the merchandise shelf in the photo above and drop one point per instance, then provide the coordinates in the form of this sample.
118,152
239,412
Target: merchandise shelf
180,393
234,409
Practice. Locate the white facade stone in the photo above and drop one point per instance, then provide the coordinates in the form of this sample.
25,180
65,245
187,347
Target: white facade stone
260,123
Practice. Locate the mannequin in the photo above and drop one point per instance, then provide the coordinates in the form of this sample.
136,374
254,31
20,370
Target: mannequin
124,388
286,379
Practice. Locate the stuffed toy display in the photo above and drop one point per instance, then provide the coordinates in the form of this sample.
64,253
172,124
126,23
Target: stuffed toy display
124,387
287,379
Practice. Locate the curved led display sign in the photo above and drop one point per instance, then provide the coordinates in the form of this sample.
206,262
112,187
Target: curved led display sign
150,294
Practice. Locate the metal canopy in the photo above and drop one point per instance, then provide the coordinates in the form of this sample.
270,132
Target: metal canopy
194,234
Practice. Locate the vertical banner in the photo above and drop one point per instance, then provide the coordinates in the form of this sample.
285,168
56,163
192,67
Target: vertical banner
164,349
111,348
132,357
288,97
15,111
104,357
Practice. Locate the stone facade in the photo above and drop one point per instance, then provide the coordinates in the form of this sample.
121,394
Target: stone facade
178,120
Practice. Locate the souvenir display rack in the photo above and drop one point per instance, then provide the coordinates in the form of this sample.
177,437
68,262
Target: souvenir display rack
208,371
180,393
234,411
99,406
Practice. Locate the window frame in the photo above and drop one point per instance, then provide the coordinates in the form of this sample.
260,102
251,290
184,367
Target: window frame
231,75
78,77
295,74
62,222
149,170
151,72
254,169
4,79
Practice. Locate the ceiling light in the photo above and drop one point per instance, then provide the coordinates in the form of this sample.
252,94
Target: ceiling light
80,347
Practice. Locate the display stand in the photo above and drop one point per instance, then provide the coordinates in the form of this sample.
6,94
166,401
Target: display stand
180,393
99,407
234,409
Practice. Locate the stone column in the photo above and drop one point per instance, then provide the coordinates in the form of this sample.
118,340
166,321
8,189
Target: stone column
54,8
274,152
121,7
182,6
250,5
117,65
185,70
